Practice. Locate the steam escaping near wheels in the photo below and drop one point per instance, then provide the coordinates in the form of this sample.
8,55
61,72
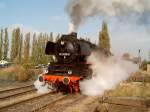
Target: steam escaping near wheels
41,86
107,74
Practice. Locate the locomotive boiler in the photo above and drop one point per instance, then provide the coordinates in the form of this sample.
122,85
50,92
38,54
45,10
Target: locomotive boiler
71,66
68,49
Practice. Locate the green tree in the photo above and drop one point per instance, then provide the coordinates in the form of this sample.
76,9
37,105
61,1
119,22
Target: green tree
20,49
15,44
41,44
149,54
104,41
57,37
38,46
34,50
51,37
143,65
41,48
12,54
50,57
1,44
26,52
6,44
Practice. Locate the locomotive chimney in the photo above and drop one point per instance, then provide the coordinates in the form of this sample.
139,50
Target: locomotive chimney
74,34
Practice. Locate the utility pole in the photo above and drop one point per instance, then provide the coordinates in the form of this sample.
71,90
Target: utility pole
149,55
139,57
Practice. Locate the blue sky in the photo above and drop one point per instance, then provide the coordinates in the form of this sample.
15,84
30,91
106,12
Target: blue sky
42,15
39,14
50,16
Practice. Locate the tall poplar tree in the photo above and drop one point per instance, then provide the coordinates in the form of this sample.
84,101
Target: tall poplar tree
6,44
20,49
26,51
40,48
104,41
50,57
15,44
34,50
57,37
12,54
1,44
51,37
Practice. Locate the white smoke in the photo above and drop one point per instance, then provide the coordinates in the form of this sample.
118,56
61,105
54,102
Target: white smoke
107,73
41,87
71,27
80,10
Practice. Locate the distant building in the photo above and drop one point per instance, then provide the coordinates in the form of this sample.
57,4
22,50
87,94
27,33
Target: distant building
133,59
136,60
126,56
3,64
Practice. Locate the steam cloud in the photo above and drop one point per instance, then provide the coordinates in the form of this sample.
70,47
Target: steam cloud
107,73
41,87
80,10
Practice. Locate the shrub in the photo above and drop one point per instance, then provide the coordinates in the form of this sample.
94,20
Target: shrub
132,90
27,65
14,73
143,65
19,73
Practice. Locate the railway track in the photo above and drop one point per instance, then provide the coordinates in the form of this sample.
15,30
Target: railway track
33,104
113,104
16,91
26,99
61,104
16,88
51,104
30,101
12,96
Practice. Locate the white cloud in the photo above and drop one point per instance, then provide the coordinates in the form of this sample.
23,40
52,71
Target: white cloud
129,37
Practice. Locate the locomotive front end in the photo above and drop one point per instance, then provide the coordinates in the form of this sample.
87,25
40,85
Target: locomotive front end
60,79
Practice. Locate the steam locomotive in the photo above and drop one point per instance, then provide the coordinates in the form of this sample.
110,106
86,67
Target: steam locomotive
71,66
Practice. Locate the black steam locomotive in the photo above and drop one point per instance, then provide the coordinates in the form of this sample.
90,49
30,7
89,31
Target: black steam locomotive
71,66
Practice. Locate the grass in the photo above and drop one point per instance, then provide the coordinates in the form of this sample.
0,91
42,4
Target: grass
147,73
131,90
17,73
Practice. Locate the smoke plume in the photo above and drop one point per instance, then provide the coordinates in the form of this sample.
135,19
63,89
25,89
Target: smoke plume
41,87
107,73
80,10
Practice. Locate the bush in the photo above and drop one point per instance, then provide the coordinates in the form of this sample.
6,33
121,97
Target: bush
7,76
14,73
27,65
33,73
132,90
19,73
143,65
